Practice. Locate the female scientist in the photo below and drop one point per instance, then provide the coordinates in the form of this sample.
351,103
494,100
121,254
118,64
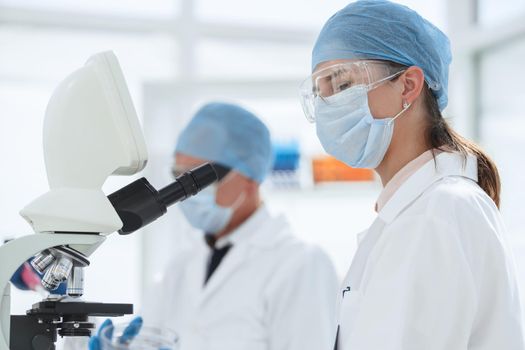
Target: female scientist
434,271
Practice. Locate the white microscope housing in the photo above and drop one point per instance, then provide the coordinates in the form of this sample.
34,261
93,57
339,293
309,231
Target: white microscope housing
91,131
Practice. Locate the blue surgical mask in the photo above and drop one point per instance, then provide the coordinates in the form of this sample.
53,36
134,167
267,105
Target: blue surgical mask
348,131
205,214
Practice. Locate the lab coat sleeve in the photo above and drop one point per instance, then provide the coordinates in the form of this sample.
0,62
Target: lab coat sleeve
420,294
159,294
153,303
302,304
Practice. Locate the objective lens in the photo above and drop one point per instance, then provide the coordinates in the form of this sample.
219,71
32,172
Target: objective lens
75,283
57,274
42,261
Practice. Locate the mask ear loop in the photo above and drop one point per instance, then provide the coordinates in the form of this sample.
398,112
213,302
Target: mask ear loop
237,203
239,200
406,106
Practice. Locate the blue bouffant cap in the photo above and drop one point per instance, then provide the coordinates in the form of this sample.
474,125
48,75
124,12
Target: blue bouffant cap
383,30
229,135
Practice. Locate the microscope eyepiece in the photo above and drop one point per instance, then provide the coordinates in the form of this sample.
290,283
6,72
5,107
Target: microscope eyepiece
139,203
188,184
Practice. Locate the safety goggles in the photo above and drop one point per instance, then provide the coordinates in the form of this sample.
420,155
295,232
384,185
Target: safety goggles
332,80
220,169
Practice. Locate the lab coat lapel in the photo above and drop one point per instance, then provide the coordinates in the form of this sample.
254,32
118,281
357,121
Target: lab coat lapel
366,240
260,232
235,258
446,164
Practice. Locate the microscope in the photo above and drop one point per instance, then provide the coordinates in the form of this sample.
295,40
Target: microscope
91,131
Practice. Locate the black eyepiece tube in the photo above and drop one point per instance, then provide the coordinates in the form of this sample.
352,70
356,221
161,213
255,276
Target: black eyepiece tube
139,203
188,184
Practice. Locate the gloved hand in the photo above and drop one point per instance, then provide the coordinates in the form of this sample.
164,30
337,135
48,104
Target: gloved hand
130,332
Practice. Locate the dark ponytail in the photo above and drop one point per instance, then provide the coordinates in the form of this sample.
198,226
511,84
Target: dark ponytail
441,136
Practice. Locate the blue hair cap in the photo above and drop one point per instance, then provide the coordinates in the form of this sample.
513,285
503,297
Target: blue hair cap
230,135
383,30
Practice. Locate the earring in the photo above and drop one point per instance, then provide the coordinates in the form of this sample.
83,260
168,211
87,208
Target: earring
406,104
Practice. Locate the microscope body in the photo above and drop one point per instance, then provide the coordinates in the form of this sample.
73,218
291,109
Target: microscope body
91,131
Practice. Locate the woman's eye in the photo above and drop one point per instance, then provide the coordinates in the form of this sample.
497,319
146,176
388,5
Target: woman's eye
344,86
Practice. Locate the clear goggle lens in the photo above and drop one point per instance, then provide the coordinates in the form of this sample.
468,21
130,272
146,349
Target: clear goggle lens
332,80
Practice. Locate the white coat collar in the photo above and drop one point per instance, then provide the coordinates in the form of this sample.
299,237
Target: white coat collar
446,164
260,229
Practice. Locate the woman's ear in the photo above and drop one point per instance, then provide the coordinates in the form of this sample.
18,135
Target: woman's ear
413,80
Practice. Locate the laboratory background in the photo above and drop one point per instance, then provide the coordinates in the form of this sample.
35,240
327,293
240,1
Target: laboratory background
178,54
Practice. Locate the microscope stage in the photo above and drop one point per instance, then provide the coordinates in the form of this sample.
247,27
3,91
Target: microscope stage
58,308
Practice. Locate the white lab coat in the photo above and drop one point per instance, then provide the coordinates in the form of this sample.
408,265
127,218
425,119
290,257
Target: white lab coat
434,271
271,292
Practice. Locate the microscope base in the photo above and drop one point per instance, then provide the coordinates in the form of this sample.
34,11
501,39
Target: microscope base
39,329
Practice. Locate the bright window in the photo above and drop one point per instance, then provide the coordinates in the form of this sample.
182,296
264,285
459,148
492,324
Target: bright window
503,124
289,13
498,12
252,60
128,8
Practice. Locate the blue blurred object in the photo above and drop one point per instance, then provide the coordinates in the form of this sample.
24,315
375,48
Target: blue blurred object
229,135
18,281
94,341
286,156
383,30
285,170
129,333
61,290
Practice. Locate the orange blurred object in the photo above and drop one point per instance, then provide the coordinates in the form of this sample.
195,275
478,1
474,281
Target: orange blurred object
329,169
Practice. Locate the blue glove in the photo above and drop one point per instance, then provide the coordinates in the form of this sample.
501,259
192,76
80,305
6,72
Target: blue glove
130,332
